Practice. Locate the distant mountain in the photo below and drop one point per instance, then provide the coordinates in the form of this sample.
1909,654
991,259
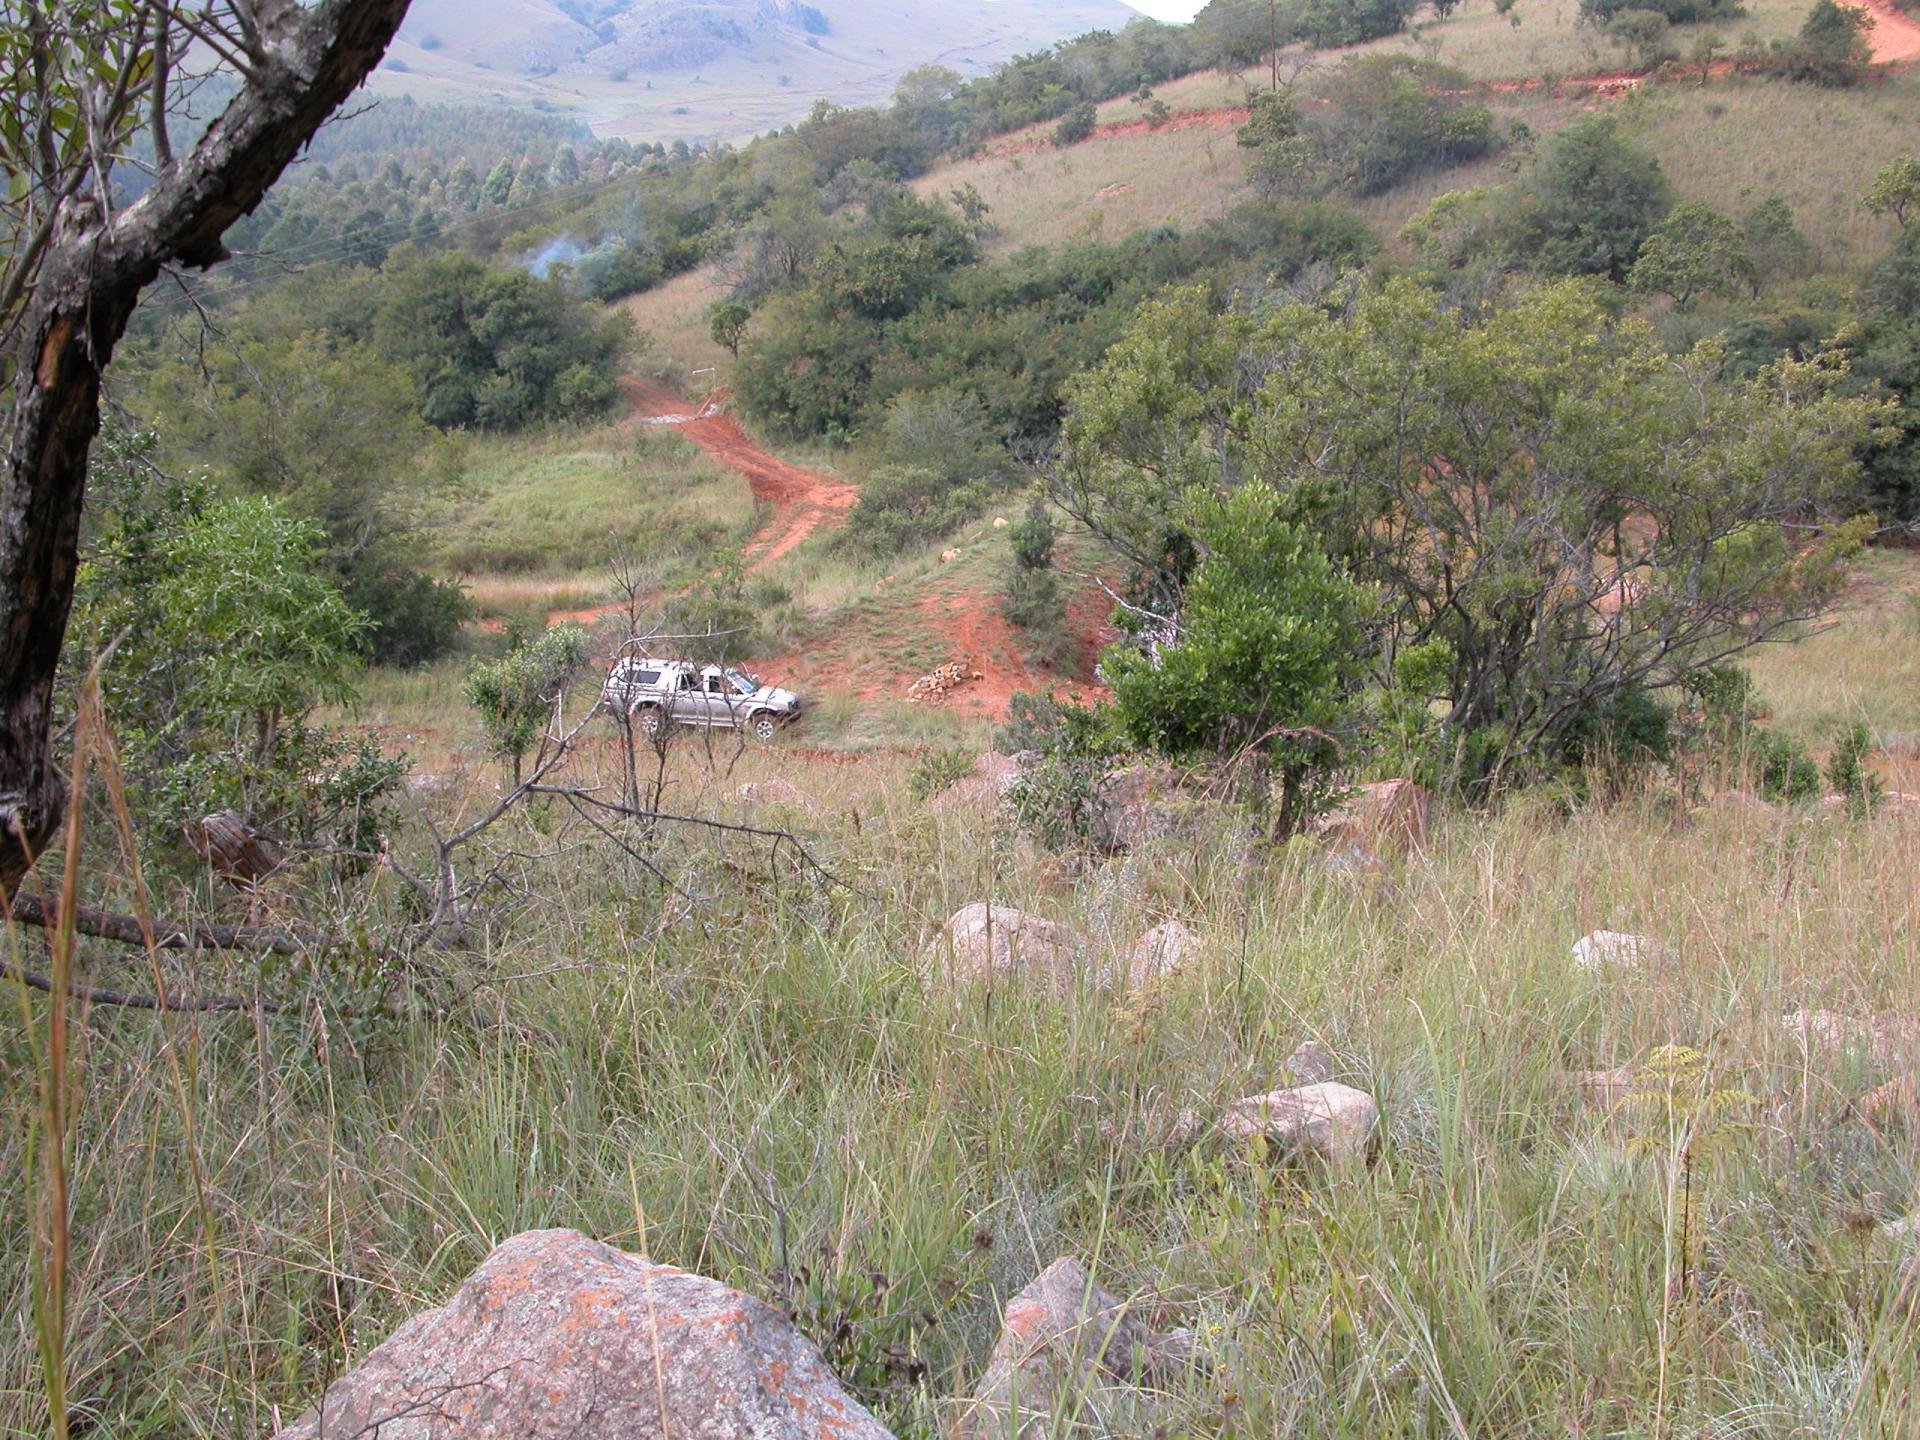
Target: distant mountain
666,69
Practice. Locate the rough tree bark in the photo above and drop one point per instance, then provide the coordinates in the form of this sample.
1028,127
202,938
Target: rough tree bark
308,60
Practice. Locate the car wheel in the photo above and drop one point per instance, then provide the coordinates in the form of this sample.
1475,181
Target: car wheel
650,720
765,726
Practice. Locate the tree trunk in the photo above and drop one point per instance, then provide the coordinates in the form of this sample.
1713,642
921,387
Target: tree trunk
85,292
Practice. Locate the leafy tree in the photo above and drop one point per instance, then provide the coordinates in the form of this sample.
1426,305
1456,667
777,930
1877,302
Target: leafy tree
218,634
517,693
728,325
1076,125
1262,659
1570,511
1329,23
498,185
80,80
1695,250
1896,189
1232,34
1033,590
1831,48
333,432
1588,201
1645,35
1776,248
497,349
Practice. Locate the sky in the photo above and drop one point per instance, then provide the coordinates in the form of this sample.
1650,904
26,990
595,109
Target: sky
1180,10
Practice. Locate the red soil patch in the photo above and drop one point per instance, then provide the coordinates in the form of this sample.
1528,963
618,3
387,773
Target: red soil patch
1227,117
1894,34
801,499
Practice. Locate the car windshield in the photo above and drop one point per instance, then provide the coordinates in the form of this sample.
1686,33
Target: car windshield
743,682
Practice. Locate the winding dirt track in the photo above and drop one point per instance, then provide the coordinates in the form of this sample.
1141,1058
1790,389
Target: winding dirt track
801,500
1894,35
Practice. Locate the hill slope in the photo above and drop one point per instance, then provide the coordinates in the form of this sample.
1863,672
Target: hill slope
725,69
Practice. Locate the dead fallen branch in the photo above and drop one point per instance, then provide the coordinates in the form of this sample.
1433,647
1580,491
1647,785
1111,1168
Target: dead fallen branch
128,930
134,1000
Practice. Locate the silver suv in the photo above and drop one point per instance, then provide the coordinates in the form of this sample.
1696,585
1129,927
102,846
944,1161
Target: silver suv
656,692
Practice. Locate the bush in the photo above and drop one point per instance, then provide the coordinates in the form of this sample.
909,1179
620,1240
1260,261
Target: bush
1587,203
1071,747
516,694
937,770
1262,661
1076,125
1033,590
1831,48
903,507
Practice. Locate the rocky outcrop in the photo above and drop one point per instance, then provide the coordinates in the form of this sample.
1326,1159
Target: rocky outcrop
983,939
1333,1121
1068,1349
558,1337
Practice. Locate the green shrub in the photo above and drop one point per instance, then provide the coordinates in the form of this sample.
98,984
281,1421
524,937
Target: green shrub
937,770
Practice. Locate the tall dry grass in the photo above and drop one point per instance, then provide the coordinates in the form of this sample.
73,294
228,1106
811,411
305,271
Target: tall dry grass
784,1079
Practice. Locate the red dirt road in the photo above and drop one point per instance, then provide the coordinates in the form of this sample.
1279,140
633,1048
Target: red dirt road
1894,34
801,500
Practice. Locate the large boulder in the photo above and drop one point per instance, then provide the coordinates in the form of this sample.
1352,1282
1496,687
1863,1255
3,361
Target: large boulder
1327,1119
1067,1348
983,939
558,1337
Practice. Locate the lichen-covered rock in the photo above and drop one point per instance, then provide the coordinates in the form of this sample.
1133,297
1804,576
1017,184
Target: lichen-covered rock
1616,950
1068,1349
983,939
558,1337
1328,1119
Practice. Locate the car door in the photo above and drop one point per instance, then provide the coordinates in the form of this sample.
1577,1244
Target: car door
687,704
719,698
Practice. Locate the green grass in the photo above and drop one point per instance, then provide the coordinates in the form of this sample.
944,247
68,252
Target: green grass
558,505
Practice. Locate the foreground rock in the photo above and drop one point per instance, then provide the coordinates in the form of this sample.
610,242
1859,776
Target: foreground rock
983,939
1328,1119
1616,950
558,1337
1070,1350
